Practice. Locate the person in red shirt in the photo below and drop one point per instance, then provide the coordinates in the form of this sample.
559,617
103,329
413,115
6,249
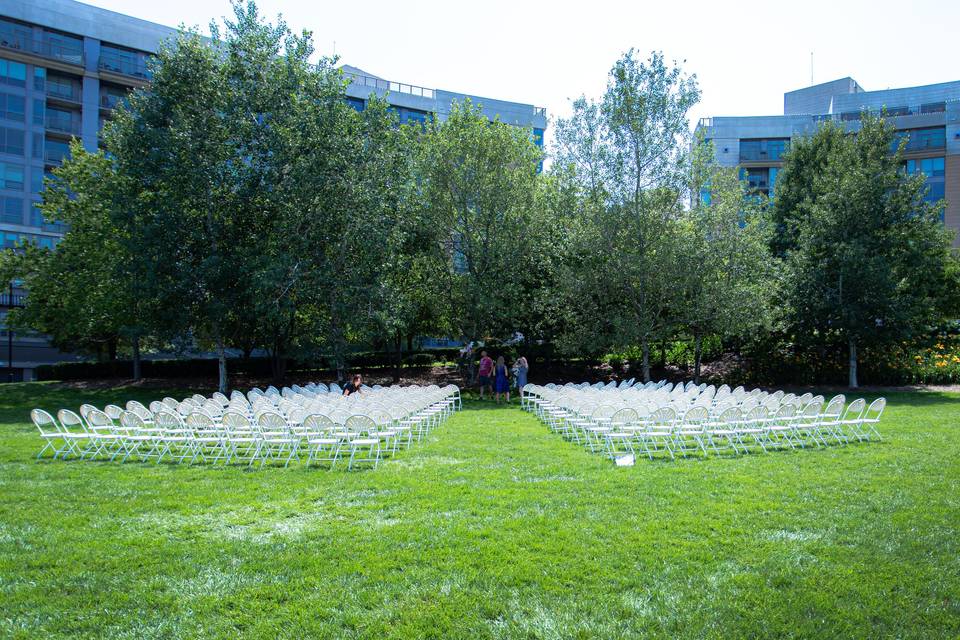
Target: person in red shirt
486,369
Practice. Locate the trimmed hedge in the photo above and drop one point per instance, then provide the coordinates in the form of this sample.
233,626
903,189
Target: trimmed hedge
253,367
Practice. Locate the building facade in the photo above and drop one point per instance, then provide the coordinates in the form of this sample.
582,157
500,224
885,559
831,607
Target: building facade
928,117
64,66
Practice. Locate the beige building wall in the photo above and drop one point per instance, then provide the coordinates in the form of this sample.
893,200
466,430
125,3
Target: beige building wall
951,216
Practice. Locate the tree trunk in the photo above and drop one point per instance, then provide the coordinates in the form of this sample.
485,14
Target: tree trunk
136,358
645,346
398,357
853,363
410,342
112,349
222,367
663,354
697,356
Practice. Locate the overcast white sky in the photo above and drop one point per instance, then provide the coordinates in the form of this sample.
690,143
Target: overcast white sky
745,55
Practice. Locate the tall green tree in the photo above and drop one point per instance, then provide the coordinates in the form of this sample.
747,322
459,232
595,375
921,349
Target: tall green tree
869,258
631,153
479,190
81,295
725,238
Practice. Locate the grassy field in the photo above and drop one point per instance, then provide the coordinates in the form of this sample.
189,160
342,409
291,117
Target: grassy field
494,528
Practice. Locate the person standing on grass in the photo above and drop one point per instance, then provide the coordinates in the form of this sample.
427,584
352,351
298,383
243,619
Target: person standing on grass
486,368
522,368
502,381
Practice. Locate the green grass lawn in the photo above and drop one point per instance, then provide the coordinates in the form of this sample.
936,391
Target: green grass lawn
493,528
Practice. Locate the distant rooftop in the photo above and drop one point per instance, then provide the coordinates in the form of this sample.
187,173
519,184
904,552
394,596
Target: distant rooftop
845,95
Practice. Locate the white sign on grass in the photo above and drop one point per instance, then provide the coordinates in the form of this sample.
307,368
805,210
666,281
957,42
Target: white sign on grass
625,461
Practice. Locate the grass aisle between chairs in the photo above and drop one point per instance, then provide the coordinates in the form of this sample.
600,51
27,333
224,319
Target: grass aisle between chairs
493,528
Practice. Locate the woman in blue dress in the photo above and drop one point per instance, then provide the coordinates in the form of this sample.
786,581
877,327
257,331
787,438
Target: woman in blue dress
501,382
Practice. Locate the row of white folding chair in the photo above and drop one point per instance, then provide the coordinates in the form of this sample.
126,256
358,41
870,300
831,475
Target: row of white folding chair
828,420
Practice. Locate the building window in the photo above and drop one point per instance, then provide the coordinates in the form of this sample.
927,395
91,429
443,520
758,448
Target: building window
356,103
933,107
15,35
922,139
933,170
763,149
11,141
62,46
11,210
758,180
38,145
538,137
36,180
11,176
12,107
55,151
39,78
110,97
125,61
38,109
62,120
63,88
13,73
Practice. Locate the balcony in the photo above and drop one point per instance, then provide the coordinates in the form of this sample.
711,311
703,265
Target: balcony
387,85
124,65
52,50
63,93
62,124
55,156
110,101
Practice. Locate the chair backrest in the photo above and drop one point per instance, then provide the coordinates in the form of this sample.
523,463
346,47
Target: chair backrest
167,419
272,420
835,407
97,420
728,417
757,414
70,420
44,422
113,411
812,409
624,417
603,412
855,409
360,424
131,422
234,419
317,423
696,415
199,421
875,410
156,405
85,409
662,417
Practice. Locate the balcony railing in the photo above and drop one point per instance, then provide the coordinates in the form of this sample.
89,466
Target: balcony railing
62,93
540,111
55,156
124,66
62,124
17,300
387,85
43,48
110,101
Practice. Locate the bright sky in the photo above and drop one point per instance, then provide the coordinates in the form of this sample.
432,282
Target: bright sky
745,55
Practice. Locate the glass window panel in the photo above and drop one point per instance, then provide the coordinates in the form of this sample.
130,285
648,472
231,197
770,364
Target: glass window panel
11,141
11,210
13,73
